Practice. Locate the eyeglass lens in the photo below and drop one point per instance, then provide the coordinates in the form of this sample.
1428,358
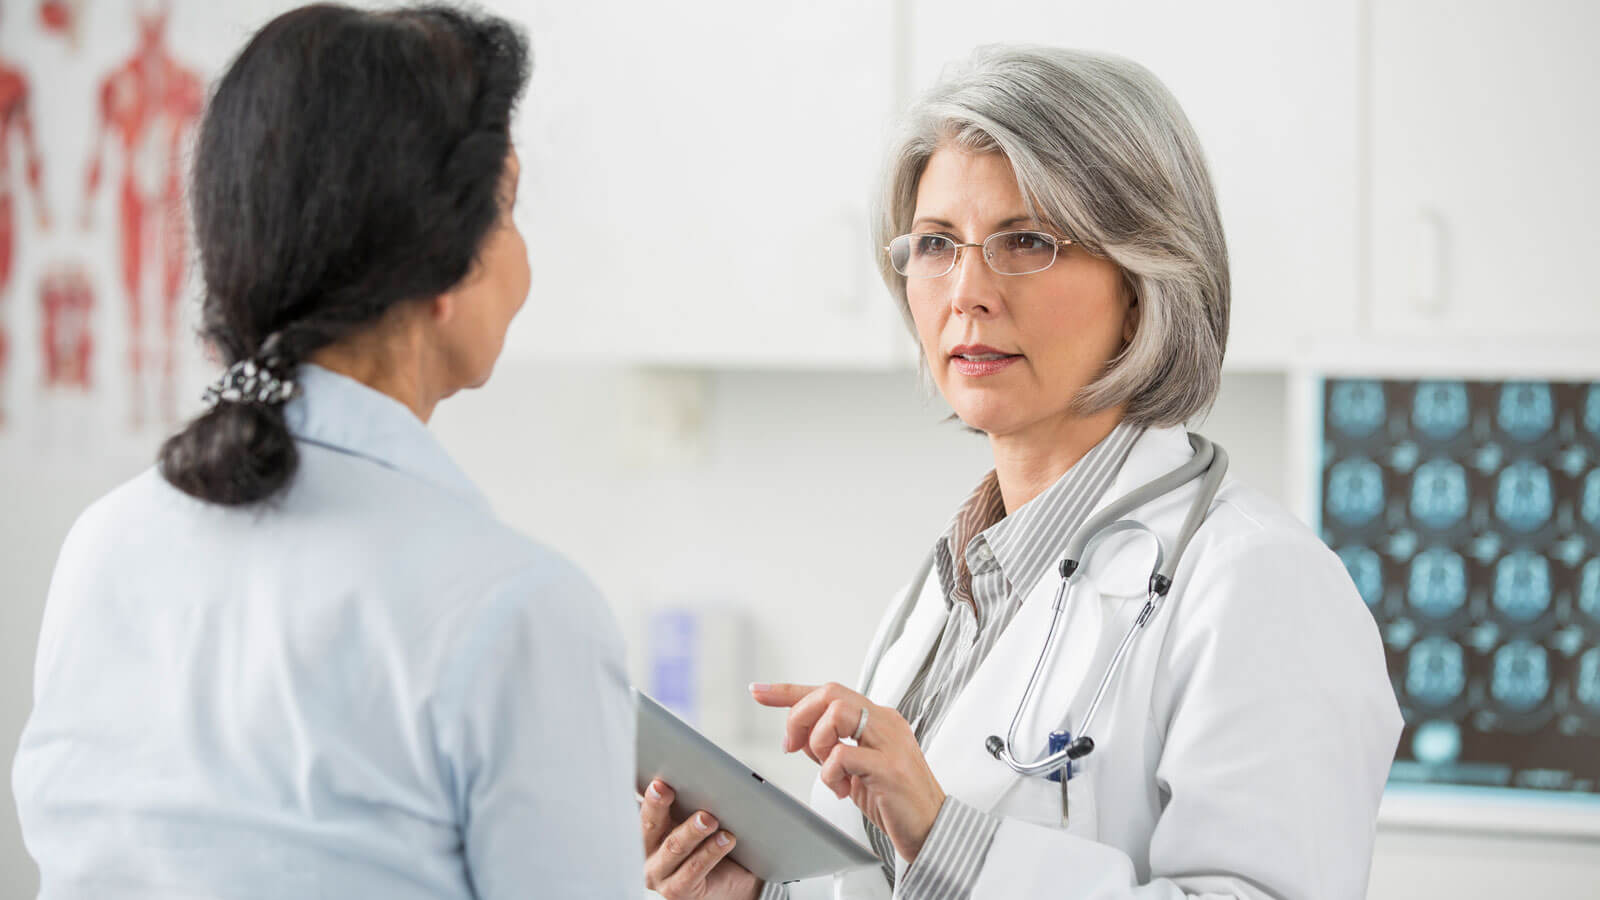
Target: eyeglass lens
1008,253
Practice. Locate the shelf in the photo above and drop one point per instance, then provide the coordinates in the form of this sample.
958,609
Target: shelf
1496,811
1476,359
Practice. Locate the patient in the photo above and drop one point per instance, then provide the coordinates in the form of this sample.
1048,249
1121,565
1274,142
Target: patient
301,657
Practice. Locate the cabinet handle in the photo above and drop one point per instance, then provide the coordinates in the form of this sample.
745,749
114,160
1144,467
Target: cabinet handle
1429,239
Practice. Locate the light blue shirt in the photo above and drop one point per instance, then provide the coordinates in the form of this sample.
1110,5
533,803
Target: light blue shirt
368,687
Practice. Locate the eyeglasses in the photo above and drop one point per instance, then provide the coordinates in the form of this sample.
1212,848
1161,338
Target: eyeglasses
1007,253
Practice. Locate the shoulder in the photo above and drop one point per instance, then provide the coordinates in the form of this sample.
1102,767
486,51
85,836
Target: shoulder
395,513
118,511
538,623
551,590
445,549
1242,517
1263,613
131,520
1253,561
1247,530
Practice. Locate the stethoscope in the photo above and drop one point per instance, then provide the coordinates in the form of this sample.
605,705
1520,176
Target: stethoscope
1209,463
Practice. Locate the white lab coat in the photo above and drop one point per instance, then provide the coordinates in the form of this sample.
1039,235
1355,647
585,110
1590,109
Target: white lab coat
1241,752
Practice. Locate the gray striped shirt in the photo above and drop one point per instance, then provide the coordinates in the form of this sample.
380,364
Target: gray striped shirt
987,563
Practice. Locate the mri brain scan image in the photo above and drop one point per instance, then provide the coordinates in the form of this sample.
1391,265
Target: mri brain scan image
1439,493
1438,585
1587,687
1522,497
1357,407
1589,506
1527,411
1437,672
1521,675
1467,513
1589,589
1522,586
1440,409
1355,491
1366,570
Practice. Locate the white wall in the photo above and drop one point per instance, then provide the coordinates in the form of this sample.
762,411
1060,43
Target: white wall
828,487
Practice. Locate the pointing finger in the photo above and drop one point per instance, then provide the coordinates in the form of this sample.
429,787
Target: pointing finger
780,694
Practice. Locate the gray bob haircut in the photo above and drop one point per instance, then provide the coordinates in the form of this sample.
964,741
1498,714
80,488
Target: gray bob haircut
1102,152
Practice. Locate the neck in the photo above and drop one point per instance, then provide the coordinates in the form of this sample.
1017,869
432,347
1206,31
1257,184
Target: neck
1029,461
391,360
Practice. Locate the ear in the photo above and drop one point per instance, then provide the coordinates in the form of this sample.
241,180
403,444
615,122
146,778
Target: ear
441,308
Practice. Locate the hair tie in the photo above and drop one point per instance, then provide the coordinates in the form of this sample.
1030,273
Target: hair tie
248,381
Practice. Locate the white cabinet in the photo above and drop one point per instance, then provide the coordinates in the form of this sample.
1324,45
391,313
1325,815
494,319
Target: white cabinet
1484,126
697,180
1272,90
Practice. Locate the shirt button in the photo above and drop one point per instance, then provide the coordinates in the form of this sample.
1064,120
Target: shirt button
983,553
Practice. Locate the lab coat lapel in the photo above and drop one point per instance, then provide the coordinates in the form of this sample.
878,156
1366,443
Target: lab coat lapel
901,661
986,706
906,654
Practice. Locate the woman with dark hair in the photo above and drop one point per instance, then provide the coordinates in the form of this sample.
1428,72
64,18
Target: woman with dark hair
300,656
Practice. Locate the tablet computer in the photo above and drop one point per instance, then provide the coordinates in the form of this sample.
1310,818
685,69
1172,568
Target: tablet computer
780,838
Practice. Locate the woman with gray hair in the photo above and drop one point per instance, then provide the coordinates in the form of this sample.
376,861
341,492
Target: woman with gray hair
1228,737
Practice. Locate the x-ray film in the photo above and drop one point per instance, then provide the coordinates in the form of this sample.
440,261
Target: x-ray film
1468,515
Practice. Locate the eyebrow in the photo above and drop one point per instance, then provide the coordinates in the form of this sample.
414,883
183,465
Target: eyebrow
941,223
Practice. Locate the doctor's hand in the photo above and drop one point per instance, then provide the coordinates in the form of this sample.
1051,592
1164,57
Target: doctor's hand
687,860
884,773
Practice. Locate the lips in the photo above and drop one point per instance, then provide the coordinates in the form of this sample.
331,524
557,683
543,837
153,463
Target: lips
978,360
981,352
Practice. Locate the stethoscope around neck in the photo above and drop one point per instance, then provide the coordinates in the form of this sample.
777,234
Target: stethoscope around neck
1210,464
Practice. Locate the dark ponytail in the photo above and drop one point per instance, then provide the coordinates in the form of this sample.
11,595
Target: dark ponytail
348,162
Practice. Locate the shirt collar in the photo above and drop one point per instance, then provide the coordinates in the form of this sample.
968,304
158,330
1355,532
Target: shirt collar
1025,541
981,510
342,414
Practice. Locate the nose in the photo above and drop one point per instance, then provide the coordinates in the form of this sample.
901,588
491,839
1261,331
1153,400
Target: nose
973,289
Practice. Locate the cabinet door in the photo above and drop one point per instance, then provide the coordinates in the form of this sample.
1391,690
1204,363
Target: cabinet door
698,180
1271,89
1485,122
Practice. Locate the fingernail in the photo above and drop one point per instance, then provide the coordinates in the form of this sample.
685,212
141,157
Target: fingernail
702,822
723,840
757,687
651,790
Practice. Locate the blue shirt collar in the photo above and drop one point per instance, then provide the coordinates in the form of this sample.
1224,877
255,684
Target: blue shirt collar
345,415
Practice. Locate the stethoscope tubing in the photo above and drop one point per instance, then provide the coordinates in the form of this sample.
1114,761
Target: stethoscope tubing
1210,463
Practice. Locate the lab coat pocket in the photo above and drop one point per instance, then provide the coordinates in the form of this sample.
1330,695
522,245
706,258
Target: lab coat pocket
1038,801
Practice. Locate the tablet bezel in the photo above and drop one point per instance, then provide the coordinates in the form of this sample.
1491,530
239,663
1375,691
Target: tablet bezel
780,838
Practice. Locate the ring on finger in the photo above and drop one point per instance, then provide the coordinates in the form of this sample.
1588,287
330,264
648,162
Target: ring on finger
861,726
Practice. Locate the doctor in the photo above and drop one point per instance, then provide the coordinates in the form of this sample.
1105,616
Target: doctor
1052,235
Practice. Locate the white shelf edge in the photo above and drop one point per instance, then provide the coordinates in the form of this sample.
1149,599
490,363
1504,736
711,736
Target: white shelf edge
1499,812
1470,358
